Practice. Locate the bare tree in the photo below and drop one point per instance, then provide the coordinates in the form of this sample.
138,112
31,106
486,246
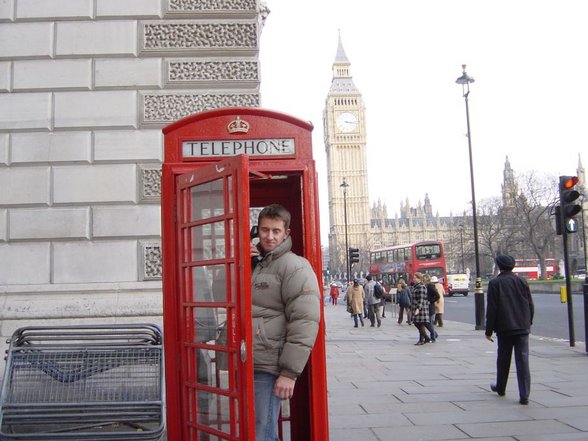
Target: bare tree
533,210
491,226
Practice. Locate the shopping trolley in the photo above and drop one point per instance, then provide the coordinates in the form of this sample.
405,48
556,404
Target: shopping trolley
88,382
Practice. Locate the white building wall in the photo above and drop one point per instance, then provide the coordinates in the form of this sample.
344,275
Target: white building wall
85,89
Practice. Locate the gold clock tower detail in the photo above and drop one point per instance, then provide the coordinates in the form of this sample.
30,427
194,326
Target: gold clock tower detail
345,143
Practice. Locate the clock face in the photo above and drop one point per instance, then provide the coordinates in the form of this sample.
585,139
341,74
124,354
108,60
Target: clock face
347,122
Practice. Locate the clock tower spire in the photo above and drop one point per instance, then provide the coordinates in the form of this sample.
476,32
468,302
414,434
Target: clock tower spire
345,143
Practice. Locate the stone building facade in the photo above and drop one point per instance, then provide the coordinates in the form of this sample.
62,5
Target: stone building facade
85,89
412,224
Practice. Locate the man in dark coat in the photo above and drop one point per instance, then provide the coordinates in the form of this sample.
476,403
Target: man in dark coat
509,313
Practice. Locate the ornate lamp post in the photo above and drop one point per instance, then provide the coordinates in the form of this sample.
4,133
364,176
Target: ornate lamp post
344,186
465,81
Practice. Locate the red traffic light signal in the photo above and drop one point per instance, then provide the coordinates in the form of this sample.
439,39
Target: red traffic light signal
569,207
568,181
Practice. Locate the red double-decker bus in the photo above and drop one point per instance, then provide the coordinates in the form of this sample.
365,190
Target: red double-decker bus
401,262
531,268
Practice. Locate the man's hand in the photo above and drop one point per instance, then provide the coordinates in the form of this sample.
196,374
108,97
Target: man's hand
489,338
253,250
284,387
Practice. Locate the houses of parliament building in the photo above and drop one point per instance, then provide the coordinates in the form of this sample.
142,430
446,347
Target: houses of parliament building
354,223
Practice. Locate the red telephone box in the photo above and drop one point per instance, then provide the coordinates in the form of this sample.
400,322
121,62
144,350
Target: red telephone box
220,167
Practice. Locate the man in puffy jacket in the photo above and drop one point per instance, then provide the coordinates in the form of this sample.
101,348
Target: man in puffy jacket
285,300
510,314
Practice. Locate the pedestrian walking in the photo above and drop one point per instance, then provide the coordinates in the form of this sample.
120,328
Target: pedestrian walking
334,293
404,302
509,314
355,299
379,289
432,297
420,308
440,305
372,301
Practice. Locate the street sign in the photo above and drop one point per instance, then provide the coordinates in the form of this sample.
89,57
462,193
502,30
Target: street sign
572,225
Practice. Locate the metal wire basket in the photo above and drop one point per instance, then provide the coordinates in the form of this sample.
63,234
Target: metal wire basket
102,382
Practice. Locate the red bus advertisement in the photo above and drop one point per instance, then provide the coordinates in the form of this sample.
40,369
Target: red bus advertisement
401,262
530,268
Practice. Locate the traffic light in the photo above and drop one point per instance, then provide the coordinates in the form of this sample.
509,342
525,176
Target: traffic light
353,255
569,207
558,228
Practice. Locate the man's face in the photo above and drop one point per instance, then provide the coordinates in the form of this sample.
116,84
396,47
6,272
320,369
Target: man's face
272,232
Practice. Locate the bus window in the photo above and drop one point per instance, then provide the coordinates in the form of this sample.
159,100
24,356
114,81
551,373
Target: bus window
407,254
428,252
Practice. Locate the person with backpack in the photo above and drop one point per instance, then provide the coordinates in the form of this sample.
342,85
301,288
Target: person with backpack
373,303
380,292
404,302
432,297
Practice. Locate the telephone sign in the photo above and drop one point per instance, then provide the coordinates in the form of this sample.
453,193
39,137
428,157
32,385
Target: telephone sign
231,147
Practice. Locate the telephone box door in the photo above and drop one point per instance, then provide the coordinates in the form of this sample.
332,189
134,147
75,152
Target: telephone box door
213,267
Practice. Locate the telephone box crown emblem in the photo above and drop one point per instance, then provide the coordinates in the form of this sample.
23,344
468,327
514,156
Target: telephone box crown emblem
238,126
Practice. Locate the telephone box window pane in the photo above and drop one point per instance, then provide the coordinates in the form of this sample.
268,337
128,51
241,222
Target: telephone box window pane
230,194
219,282
233,274
216,413
207,200
209,324
202,284
230,252
210,283
208,241
206,322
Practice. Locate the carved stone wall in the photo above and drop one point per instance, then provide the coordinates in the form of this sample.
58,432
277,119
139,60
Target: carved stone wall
184,72
150,183
171,107
84,93
212,5
188,35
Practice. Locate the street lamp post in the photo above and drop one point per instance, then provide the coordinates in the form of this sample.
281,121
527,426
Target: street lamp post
344,186
465,81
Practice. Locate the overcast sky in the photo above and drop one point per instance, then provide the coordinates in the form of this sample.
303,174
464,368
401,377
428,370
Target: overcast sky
529,101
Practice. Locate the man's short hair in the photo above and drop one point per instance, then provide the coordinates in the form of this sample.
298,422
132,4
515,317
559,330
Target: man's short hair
368,277
275,211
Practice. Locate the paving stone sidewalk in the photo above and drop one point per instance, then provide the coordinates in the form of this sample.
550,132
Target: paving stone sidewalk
382,387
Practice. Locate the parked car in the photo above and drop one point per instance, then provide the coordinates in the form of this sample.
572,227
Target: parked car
458,284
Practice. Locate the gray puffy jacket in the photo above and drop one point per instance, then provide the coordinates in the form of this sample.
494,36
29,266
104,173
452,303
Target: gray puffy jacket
286,311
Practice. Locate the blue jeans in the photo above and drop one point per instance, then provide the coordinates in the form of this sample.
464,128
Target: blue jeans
267,407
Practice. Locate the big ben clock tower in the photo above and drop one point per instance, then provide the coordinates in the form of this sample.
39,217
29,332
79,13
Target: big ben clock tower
345,143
